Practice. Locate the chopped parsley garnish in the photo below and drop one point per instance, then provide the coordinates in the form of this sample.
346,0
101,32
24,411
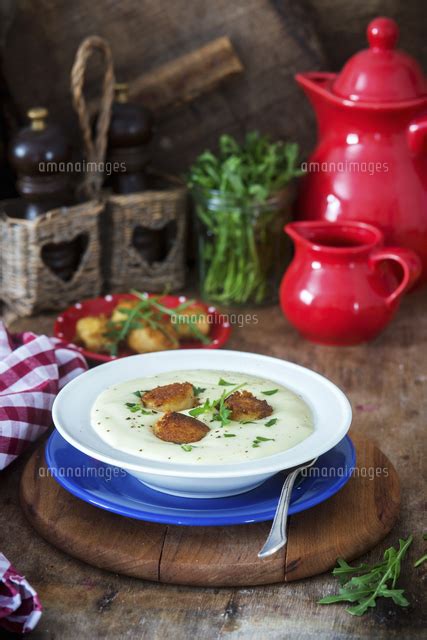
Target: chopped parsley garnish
246,421
187,447
136,406
229,435
133,406
271,422
270,392
260,439
224,383
140,393
198,390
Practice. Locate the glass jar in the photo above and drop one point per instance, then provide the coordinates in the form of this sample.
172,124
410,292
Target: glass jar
242,249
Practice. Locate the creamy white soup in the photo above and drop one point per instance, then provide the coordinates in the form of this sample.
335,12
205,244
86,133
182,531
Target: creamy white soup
120,419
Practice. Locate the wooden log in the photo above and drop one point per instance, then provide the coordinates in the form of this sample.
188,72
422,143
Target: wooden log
183,79
187,77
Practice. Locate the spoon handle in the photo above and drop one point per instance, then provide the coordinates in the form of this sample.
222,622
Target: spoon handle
277,537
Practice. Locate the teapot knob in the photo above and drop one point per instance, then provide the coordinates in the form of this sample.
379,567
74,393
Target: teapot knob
382,33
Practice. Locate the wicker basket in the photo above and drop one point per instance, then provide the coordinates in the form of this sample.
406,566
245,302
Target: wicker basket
126,267
27,283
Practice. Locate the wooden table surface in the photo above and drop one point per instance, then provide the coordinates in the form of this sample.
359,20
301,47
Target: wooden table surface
387,385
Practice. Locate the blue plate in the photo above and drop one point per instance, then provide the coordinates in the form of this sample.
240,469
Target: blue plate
113,489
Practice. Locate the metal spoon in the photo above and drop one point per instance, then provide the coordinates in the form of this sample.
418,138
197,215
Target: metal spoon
277,536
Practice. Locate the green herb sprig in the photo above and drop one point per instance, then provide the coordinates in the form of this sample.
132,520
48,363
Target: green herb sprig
218,407
234,191
149,311
364,584
253,170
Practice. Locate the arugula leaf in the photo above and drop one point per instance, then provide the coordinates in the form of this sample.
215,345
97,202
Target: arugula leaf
149,311
223,413
217,407
420,561
364,584
270,392
203,408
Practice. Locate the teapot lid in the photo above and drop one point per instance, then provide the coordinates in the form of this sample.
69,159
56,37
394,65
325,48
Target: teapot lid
381,73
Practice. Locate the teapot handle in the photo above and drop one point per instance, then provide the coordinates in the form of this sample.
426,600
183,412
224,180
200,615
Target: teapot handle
407,259
417,135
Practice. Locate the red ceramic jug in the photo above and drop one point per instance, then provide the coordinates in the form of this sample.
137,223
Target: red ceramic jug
342,286
370,163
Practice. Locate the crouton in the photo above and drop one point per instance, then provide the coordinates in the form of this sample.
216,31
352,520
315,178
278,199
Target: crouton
118,315
177,396
179,428
148,339
194,315
90,331
245,406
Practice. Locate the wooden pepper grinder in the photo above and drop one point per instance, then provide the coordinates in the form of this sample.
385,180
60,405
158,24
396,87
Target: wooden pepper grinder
39,154
129,133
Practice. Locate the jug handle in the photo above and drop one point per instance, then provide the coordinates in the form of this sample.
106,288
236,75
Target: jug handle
417,135
409,262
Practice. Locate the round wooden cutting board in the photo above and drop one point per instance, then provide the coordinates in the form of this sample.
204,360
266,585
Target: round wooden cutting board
347,525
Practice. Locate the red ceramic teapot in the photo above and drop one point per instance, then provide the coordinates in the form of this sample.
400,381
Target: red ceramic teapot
340,288
370,163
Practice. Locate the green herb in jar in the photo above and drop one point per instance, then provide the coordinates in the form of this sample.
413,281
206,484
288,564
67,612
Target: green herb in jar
237,207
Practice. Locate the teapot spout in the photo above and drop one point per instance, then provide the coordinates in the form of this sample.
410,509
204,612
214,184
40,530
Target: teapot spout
316,84
315,81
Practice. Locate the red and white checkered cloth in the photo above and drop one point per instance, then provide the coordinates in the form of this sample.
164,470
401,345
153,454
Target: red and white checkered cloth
32,371
20,607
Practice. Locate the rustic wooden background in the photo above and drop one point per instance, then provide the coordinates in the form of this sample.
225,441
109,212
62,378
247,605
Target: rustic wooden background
273,39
